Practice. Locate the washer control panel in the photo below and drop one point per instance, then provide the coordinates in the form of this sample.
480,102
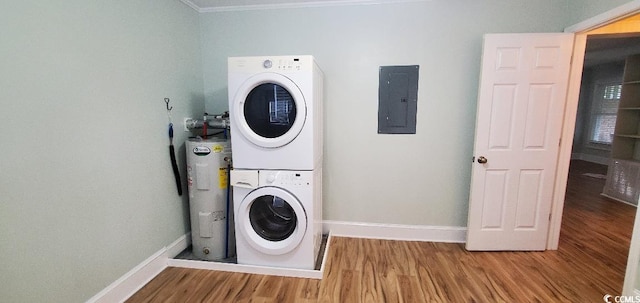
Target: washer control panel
285,178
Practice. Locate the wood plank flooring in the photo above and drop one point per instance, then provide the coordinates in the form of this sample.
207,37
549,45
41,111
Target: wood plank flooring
589,263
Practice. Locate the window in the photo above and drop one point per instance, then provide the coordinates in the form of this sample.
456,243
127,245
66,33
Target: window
603,113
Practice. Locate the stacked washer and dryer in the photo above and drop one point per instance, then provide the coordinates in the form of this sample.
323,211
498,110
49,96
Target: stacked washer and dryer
275,107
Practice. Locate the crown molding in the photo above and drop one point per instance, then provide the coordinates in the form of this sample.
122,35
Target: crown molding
191,5
605,18
291,5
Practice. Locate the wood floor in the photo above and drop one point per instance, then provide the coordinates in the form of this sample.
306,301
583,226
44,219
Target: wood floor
589,263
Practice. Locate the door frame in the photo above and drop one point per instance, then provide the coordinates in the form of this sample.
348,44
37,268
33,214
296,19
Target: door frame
571,108
581,30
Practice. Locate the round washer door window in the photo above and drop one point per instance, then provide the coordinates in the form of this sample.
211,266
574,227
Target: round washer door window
272,220
269,110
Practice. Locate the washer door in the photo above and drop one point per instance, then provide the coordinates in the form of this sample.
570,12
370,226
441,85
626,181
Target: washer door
269,110
272,220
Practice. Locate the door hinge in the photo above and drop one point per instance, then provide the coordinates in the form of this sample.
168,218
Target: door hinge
549,217
473,159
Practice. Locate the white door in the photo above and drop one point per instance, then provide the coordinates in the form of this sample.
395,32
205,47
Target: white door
518,124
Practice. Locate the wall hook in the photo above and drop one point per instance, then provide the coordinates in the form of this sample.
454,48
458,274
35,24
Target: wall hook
166,100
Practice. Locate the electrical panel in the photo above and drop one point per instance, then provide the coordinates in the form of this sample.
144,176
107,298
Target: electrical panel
398,99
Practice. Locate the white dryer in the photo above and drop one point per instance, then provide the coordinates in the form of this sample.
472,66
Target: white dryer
278,217
275,106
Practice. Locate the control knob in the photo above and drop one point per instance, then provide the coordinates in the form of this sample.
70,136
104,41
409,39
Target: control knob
271,178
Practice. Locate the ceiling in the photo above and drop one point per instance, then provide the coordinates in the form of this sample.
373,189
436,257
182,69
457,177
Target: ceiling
610,48
234,5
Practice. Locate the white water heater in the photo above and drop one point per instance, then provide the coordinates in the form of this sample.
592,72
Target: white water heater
211,219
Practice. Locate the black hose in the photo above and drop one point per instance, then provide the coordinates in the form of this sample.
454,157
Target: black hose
176,171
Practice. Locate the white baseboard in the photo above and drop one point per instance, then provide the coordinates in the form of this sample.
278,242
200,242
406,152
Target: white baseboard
448,234
590,158
137,277
618,200
179,245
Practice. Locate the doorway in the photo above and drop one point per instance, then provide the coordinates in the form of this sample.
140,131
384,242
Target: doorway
625,26
609,23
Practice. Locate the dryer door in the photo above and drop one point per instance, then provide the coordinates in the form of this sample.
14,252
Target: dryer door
269,110
272,220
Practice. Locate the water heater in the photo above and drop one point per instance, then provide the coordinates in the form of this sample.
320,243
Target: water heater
207,176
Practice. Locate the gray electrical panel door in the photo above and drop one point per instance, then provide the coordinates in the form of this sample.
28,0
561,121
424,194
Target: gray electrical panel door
398,99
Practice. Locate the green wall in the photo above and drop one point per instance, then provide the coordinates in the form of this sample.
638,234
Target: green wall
86,188
420,179
580,10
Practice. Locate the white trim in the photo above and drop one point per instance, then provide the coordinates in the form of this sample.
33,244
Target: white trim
191,5
612,15
325,254
576,156
591,158
595,159
618,200
253,269
631,274
179,245
127,285
566,141
291,5
249,269
447,234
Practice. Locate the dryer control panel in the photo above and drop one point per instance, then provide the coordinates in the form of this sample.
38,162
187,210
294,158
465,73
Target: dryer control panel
271,64
285,178
284,64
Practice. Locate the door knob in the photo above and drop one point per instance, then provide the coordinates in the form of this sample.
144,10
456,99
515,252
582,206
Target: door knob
482,160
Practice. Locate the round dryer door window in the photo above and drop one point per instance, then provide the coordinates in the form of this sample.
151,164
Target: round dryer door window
270,110
272,220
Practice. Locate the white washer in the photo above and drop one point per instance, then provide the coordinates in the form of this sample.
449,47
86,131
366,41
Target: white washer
278,217
275,106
